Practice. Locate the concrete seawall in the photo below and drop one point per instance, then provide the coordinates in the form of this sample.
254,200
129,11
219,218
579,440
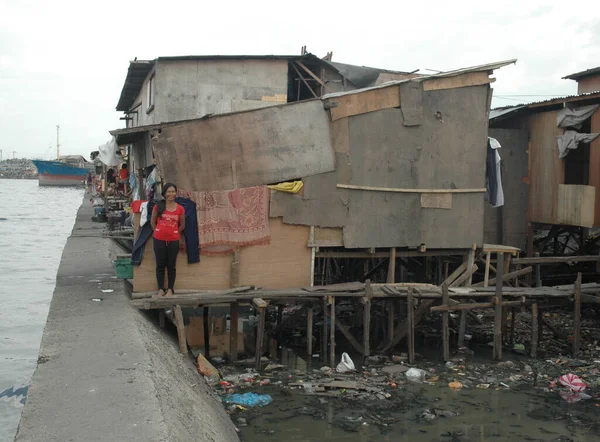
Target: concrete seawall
105,372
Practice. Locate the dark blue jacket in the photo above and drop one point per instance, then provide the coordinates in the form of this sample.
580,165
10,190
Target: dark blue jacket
190,231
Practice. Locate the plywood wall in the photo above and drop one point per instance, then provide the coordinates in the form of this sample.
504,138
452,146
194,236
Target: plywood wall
595,165
546,169
284,263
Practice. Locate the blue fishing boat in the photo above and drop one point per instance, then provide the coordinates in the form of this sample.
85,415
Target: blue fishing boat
68,170
60,173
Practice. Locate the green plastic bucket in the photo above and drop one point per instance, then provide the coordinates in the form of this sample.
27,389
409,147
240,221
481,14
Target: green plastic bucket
123,268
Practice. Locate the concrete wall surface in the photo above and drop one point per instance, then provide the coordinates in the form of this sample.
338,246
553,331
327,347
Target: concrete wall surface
105,371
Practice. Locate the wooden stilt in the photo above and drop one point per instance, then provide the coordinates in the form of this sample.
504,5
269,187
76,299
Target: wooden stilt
332,333
463,315
534,329
272,348
367,319
391,318
391,276
309,331
446,268
513,314
498,308
410,306
233,330
324,331
486,277
260,334
206,333
180,329
161,318
279,314
538,272
446,323
577,322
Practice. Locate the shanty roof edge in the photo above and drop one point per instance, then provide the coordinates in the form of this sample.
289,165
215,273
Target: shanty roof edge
577,75
481,68
139,70
541,105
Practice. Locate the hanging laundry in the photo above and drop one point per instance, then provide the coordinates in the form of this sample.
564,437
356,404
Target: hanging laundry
289,187
570,140
493,173
575,117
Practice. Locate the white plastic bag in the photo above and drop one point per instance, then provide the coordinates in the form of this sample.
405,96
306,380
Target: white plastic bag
346,364
415,375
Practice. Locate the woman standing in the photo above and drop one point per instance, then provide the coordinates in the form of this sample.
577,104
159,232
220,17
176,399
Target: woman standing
168,221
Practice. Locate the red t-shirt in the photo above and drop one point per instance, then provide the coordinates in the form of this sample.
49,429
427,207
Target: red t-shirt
167,225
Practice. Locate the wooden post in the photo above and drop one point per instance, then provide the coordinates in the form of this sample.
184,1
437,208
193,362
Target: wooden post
391,276
260,334
180,330
446,323
534,329
577,322
324,331
309,331
391,318
486,277
411,326
513,313
161,318
233,330
538,272
498,308
463,315
332,333
446,268
367,319
206,333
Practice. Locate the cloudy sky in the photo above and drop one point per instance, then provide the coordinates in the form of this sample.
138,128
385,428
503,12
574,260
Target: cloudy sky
64,62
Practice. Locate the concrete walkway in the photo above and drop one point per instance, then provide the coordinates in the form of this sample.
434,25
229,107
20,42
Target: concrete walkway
105,372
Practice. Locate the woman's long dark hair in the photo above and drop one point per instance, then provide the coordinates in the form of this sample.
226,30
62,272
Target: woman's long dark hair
162,204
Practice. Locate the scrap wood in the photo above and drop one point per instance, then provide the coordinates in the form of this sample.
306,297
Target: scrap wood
343,287
507,276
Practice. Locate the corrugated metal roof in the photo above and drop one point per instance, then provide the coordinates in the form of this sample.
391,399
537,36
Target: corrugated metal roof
578,75
540,105
481,68
362,76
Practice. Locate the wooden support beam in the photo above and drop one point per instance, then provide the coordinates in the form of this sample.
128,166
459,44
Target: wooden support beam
309,331
304,81
180,330
260,335
234,278
348,335
535,330
391,276
161,318
392,317
556,259
577,321
332,332
324,331
465,276
498,309
538,272
206,333
486,278
309,72
233,330
455,274
402,329
513,314
367,319
446,323
462,330
411,326
403,190
506,277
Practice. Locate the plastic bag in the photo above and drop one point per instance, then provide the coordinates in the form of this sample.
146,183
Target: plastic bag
346,364
572,382
249,399
415,375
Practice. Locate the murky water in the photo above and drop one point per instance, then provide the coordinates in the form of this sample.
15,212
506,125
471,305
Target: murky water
38,222
413,412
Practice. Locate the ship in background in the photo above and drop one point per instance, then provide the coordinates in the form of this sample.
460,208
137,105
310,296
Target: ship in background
69,170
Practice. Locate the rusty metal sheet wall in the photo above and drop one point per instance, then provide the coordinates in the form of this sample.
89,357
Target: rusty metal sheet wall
447,151
268,146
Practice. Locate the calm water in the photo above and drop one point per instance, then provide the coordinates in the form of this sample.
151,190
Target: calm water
38,222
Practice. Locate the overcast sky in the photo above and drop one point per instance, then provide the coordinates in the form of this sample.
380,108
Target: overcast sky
64,62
